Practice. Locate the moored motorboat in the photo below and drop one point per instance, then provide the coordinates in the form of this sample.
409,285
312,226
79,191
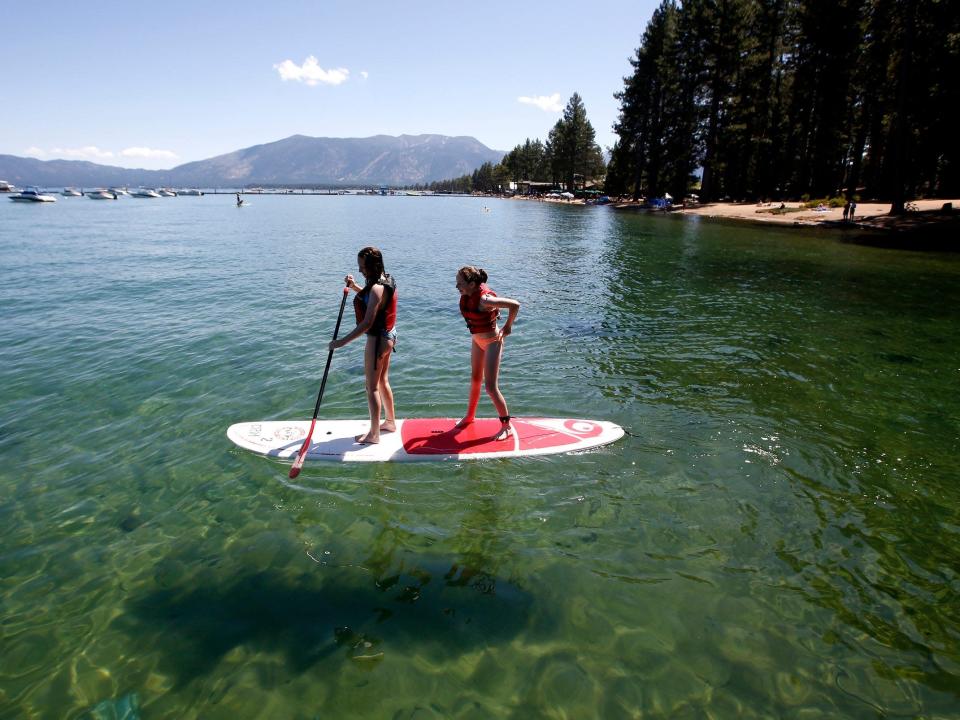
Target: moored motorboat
119,191
145,193
166,192
101,194
6,187
32,194
71,192
192,192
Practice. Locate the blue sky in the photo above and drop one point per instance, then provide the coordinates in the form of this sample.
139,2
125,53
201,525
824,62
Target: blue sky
158,84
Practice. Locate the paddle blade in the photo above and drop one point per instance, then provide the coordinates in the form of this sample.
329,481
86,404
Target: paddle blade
297,465
302,455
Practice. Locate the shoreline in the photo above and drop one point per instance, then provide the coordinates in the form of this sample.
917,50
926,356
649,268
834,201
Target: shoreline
928,226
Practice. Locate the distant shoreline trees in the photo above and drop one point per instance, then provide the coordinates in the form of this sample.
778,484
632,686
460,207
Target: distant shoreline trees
569,157
769,99
785,98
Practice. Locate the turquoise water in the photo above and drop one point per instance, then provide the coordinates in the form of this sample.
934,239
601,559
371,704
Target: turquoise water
778,535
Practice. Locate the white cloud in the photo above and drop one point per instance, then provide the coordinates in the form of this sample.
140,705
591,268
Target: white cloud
546,103
364,74
87,152
310,72
34,151
145,152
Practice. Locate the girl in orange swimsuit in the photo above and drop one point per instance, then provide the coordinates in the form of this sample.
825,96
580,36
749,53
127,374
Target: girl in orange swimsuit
480,307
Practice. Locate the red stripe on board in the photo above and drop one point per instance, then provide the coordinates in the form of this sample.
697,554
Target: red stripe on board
438,436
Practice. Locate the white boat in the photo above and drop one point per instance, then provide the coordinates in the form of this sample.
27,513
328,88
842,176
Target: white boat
166,192
71,192
32,194
6,187
192,192
119,191
145,193
101,194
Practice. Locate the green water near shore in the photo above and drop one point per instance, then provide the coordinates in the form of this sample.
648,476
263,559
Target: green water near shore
778,535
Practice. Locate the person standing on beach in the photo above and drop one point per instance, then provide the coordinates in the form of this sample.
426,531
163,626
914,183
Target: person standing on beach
846,211
853,209
375,305
481,307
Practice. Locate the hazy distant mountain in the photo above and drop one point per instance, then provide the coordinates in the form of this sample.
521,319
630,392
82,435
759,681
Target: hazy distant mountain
23,171
381,159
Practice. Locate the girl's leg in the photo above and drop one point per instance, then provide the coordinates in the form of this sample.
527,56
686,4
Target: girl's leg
476,376
383,385
373,392
492,377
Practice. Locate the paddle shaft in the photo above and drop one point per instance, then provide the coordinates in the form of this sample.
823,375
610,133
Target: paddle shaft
326,370
302,455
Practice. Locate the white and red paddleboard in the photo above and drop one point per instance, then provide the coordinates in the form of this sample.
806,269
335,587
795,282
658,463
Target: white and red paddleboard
425,439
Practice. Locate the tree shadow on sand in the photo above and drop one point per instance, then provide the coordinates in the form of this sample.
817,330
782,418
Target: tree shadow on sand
333,614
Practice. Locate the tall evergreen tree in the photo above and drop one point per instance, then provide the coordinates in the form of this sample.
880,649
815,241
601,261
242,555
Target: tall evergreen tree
637,156
923,41
826,51
717,29
773,98
573,148
942,151
527,161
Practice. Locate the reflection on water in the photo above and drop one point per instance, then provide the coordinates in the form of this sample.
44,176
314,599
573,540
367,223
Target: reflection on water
828,372
777,536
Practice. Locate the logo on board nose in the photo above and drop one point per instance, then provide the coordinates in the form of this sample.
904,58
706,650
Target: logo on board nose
289,432
583,428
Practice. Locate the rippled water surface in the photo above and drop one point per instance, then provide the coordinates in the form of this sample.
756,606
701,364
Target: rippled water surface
777,536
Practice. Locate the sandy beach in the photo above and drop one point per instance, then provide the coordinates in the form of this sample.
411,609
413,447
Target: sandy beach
867,213
927,218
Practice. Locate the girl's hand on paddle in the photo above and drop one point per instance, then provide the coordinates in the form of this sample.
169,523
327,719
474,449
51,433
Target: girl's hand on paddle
350,282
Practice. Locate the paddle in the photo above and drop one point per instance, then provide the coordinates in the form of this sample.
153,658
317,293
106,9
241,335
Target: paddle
302,455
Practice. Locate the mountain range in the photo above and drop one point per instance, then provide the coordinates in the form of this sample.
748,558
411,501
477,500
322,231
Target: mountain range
296,160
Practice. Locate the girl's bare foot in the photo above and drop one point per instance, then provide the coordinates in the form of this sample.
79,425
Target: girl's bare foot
388,426
463,423
367,439
505,432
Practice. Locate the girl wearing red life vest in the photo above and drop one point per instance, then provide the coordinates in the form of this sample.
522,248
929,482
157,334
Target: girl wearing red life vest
375,306
481,307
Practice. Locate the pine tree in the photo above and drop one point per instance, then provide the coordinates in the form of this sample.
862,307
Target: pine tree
635,157
573,147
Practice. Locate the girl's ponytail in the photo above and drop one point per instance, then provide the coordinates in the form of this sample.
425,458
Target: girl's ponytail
472,273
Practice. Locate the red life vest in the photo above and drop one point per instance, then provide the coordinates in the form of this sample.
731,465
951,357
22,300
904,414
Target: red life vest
386,317
479,321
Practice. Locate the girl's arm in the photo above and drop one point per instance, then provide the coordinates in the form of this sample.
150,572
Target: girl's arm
376,297
351,283
509,304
